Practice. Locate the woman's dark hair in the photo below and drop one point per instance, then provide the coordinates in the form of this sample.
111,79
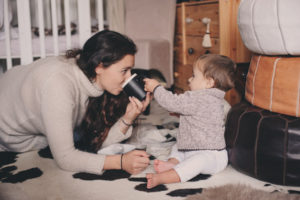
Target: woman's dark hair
105,48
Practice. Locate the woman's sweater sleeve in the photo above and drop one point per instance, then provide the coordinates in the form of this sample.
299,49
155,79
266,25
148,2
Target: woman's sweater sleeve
115,135
57,111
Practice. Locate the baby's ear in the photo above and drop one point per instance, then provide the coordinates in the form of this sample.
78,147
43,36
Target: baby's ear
210,82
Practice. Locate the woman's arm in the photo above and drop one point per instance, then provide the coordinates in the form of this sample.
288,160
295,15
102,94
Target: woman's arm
57,117
135,161
57,111
117,133
122,129
134,109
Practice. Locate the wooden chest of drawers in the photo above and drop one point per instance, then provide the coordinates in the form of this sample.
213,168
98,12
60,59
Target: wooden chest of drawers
190,30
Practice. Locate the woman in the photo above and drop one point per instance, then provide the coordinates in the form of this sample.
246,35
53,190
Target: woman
41,104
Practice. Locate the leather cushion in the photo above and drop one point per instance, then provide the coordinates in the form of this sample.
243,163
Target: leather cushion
273,83
264,144
270,27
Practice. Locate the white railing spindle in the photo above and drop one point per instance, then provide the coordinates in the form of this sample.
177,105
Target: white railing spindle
67,23
100,15
84,20
7,36
54,27
23,10
41,28
30,47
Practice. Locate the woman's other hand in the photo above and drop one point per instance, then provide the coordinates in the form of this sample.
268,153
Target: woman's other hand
135,108
134,162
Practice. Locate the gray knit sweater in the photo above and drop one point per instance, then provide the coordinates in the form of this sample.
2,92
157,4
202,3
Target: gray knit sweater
201,117
41,103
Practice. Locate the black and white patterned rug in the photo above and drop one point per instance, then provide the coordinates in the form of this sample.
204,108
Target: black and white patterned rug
35,176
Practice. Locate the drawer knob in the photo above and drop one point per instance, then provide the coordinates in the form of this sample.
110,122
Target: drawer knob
206,20
190,51
188,20
176,74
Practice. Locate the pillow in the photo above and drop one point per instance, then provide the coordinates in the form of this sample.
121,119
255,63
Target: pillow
273,83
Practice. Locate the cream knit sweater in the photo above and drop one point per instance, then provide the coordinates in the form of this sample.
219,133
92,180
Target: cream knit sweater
41,103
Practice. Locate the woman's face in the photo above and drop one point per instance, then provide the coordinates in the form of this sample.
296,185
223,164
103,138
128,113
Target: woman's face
112,77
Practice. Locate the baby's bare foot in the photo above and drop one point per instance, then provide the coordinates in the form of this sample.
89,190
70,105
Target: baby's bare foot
151,180
162,166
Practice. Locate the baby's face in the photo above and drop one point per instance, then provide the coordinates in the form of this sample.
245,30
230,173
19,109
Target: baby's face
198,81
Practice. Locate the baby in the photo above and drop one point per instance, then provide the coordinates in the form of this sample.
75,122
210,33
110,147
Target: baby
200,146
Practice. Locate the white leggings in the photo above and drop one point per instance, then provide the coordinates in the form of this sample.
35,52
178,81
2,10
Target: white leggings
192,163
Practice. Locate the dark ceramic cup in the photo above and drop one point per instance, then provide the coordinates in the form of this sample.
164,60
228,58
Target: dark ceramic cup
134,86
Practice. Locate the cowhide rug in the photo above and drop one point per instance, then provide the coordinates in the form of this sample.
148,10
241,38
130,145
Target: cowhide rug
35,175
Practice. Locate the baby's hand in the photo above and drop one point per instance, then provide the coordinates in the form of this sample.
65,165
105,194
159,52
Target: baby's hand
150,84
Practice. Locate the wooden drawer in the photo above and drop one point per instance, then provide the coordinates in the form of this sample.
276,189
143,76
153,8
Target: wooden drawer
224,34
182,74
189,18
178,21
178,49
194,48
188,53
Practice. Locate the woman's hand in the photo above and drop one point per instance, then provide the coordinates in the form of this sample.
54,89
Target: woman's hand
134,162
135,108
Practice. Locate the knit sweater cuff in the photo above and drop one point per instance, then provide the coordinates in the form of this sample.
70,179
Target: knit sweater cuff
115,135
95,164
156,87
